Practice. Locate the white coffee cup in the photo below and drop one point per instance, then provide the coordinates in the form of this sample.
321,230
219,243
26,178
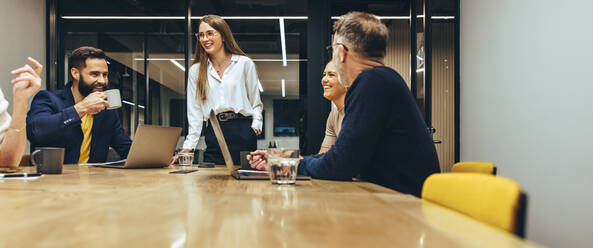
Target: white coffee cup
113,98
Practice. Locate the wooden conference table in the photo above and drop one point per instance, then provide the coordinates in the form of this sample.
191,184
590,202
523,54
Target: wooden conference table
99,207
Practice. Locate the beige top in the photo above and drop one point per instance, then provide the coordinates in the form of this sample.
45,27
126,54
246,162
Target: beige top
333,127
100,207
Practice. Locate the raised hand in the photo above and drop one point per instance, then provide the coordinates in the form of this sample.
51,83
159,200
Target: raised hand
28,80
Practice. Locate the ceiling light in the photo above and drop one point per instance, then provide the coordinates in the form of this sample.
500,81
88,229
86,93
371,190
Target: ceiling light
283,88
159,59
280,60
124,17
404,17
131,103
443,17
177,64
283,41
257,17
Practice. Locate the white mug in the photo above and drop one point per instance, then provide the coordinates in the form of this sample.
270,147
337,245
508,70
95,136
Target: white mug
113,98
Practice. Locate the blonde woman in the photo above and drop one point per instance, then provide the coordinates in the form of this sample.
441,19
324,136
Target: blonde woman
222,79
335,92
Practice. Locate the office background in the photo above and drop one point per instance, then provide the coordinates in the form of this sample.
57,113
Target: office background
524,92
285,39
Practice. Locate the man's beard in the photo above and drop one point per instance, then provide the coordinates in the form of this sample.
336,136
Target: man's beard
86,88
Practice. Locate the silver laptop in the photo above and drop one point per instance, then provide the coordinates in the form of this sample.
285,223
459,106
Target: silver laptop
153,147
239,174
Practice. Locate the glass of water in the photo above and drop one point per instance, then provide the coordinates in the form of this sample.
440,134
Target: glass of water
185,159
283,165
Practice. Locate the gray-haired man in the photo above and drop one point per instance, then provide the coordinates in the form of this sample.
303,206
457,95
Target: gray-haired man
383,137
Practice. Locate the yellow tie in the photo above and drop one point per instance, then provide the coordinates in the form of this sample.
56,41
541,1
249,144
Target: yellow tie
85,147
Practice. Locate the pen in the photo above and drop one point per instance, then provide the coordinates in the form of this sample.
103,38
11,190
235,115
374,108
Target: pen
20,175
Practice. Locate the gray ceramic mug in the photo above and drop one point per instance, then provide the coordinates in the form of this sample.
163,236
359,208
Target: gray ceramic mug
49,160
113,98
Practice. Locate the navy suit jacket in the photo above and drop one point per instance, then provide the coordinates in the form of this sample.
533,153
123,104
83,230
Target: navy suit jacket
383,137
52,121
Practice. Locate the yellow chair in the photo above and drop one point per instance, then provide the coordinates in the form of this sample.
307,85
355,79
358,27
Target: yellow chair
475,167
493,200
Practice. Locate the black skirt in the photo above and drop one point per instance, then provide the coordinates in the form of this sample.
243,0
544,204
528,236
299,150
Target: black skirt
239,137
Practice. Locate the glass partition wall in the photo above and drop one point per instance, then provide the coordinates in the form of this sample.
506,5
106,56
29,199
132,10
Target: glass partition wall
150,46
143,54
444,86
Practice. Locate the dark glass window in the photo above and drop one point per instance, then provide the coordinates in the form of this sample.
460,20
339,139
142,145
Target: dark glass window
150,43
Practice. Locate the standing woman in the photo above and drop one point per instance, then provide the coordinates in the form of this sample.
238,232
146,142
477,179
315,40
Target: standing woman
222,79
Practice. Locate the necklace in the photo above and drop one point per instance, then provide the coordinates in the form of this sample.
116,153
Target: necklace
221,67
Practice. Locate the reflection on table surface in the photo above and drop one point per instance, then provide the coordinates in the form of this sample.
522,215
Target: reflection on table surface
99,207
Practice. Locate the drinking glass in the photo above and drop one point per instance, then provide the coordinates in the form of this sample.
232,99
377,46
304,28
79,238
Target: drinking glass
283,165
185,159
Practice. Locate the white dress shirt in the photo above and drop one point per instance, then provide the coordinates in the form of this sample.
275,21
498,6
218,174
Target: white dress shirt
4,116
237,91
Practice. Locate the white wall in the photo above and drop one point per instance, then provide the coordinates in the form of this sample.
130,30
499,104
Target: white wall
23,29
527,105
23,35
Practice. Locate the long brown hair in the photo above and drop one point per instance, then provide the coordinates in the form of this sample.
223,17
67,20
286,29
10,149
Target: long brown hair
230,46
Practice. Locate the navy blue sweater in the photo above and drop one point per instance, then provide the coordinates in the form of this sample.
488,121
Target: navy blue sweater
383,137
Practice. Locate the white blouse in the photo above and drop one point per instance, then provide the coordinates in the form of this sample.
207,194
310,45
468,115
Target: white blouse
4,116
237,91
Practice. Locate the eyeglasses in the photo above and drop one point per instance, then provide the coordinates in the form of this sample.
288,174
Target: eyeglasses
210,34
329,48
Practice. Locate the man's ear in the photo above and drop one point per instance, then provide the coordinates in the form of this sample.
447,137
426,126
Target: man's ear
342,55
75,74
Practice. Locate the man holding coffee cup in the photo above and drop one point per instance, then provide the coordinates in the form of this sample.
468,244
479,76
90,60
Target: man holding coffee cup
79,117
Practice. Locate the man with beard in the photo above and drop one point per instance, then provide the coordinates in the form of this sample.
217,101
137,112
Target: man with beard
383,137
76,117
